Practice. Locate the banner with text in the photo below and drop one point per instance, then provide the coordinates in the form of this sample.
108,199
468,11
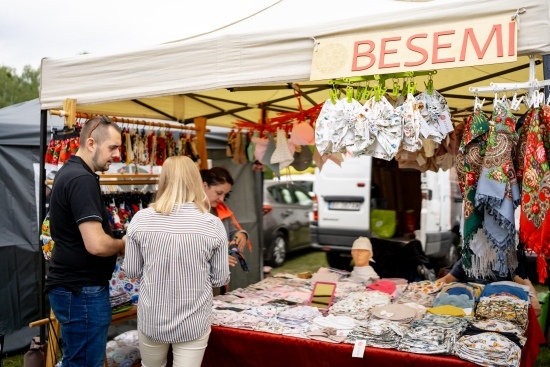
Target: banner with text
480,42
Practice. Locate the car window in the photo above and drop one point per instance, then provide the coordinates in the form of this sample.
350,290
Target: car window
287,196
276,193
302,196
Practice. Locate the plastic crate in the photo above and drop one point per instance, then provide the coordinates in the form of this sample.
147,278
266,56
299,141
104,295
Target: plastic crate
543,318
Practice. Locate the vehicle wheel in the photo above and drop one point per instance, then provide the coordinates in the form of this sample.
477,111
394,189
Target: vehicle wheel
339,260
277,250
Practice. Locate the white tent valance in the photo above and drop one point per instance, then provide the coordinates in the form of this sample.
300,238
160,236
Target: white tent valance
203,76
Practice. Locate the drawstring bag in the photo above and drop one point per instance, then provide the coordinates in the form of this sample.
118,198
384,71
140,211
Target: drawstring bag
36,355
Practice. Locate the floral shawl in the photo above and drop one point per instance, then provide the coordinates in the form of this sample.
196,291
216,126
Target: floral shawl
534,176
497,193
469,161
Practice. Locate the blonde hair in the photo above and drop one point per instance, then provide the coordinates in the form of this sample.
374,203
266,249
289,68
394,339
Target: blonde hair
180,182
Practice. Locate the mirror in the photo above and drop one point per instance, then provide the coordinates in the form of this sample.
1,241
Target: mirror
322,295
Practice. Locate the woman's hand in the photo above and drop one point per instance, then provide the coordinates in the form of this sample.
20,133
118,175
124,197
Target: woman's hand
232,261
536,305
240,239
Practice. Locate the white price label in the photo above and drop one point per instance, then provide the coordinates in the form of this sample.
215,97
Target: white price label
359,349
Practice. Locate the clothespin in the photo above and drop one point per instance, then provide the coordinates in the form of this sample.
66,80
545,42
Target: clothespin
478,105
411,88
429,85
349,93
395,88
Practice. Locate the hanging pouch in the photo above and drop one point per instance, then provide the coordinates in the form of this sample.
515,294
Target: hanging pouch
46,238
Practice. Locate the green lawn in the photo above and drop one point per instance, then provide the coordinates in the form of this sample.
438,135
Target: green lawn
306,260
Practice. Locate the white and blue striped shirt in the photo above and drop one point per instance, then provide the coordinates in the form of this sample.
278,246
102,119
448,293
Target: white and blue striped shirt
179,258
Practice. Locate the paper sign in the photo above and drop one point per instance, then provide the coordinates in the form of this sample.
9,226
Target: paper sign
359,349
480,41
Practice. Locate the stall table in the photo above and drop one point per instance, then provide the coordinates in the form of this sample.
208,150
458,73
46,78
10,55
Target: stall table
241,348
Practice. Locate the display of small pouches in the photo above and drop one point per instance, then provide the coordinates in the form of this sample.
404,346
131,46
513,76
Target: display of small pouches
456,294
394,312
426,286
488,349
377,333
503,307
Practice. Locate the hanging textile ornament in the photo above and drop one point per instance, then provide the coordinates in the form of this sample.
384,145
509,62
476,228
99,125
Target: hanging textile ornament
56,153
412,118
260,145
252,146
320,160
229,148
469,162
385,125
170,144
302,134
129,150
534,149
281,154
266,159
497,193
302,158
239,154
161,149
48,158
343,131
331,115
436,113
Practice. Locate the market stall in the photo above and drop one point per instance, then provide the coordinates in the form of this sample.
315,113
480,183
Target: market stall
231,346
259,66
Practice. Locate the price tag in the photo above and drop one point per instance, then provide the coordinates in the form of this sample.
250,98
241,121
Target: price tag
359,349
445,122
425,129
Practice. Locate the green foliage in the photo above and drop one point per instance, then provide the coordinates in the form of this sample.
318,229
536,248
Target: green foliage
18,88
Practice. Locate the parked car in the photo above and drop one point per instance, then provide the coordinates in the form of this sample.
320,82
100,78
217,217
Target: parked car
286,211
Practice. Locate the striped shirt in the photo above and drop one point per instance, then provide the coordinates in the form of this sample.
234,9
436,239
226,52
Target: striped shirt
179,258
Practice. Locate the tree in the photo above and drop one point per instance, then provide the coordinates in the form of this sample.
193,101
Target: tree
14,88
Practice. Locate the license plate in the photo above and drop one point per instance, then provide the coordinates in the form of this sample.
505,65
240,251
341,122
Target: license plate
344,205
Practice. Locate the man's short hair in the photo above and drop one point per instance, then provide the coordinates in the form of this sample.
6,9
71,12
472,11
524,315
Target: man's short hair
97,127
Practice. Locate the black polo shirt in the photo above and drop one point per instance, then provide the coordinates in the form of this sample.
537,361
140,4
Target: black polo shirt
76,198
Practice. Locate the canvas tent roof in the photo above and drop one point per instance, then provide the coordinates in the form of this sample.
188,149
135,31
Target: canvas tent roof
255,61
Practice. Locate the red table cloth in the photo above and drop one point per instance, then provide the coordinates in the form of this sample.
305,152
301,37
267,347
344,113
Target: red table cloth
242,348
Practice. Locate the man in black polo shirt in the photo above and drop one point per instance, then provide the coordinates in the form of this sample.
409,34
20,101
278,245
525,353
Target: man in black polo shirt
84,255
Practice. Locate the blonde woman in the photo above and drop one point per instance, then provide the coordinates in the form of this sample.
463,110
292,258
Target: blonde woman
179,250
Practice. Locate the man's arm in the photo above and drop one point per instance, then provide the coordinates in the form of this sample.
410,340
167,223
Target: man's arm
97,242
448,278
532,292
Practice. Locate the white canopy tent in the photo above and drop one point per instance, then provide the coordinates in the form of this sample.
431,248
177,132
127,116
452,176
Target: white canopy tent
228,74
237,72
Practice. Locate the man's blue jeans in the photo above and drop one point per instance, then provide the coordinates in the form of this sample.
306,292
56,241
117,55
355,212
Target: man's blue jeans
84,321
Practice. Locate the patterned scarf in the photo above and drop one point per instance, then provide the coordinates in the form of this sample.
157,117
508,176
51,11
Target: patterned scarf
497,194
534,177
469,161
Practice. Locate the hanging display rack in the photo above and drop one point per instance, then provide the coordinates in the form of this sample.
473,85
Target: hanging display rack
123,120
530,85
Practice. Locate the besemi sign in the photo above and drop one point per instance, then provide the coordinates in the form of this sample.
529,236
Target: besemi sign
480,42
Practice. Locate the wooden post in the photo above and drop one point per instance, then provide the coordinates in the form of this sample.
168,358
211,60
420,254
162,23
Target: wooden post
69,106
200,124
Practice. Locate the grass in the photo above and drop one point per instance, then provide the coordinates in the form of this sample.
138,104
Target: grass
301,261
14,361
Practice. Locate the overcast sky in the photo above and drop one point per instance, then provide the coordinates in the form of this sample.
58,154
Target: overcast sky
33,29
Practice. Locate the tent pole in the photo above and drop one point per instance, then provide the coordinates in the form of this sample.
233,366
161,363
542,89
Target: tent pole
42,214
546,72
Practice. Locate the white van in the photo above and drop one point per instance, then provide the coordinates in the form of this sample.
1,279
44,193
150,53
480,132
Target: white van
373,197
